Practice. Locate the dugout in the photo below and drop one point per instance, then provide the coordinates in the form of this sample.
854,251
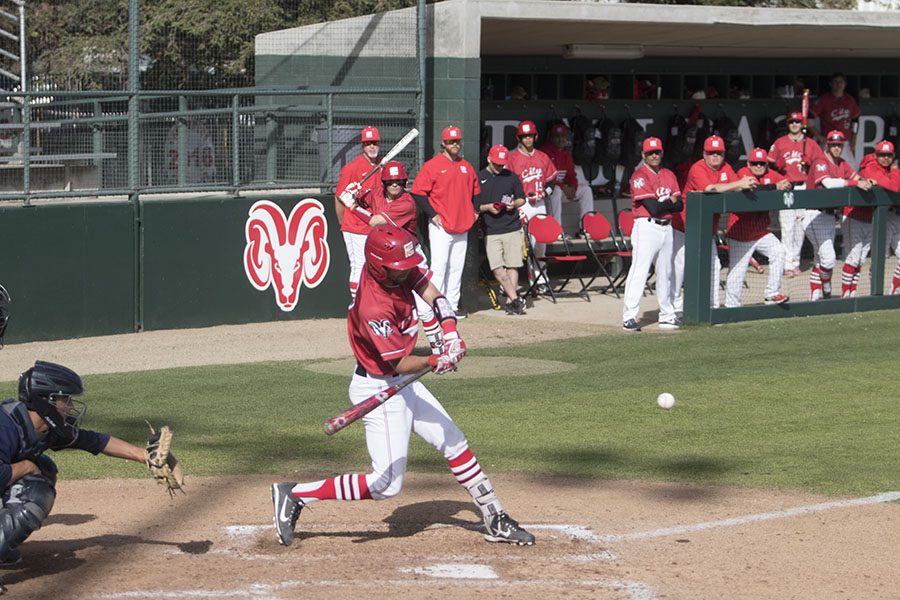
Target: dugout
749,63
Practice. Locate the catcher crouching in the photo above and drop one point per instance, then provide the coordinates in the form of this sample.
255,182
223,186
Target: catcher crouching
47,417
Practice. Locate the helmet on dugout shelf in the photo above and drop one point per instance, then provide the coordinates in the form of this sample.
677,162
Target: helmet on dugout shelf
389,246
47,389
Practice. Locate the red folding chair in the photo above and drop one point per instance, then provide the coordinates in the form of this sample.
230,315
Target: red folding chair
626,226
597,228
547,230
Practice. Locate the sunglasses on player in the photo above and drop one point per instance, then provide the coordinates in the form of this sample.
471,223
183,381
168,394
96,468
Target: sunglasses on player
758,164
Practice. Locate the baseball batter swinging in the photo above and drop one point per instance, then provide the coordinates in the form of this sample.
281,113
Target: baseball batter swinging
382,325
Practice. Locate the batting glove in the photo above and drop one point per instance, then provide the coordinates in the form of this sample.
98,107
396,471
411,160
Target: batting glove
455,348
348,196
441,363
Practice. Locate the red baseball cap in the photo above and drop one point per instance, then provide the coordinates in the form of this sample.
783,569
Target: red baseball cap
451,132
559,128
370,134
795,116
758,155
884,147
498,154
714,144
651,143
526,128
835,137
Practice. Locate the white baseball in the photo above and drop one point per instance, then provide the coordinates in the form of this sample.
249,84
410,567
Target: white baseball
665,400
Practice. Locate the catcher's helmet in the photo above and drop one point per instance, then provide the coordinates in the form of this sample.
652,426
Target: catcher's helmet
393,171
527,128
47,389
4,311
392,247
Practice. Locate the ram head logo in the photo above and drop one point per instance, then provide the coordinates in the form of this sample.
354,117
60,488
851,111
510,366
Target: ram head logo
286,252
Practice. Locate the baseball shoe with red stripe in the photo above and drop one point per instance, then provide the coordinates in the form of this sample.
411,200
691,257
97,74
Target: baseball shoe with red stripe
287,511
777,299
503,528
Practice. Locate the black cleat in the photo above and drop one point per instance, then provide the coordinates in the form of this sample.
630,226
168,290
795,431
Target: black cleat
502,528
287,511
12,558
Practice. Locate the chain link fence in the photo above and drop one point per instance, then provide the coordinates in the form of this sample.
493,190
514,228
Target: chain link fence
248,94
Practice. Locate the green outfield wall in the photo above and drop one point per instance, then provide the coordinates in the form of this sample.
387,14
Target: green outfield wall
71,268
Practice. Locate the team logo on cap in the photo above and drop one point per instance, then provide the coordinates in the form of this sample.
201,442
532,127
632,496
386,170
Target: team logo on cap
409,249
394,172
526,127
714,143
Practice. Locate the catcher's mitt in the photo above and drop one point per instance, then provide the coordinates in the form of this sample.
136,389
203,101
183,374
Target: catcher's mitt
162,463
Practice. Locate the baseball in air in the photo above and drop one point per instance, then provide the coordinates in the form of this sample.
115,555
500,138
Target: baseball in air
665,400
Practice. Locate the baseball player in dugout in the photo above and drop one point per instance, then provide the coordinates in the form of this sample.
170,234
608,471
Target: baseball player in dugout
391,203
830,171
382,326
837,111
443,190
748,232
537,173
709,174
46,416
879,168
557,148
499,202
655,199
349,190
791,155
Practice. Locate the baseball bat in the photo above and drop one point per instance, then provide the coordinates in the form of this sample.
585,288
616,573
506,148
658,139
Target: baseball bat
354,413
805,111
397,149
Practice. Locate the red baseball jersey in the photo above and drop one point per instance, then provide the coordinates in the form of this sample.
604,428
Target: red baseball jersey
823,169
886,178
699,178
790,156
450,186
352,172
564,164
382,321
401,212
535,170
836,113
647,183
750,226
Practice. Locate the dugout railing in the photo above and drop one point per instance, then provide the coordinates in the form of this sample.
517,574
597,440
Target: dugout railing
701,208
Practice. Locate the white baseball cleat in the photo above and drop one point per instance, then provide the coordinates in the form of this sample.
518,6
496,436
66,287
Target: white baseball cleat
503,528
287,511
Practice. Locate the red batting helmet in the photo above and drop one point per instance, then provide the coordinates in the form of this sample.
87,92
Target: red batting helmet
527,128
393,171
795,116
835,136
392,247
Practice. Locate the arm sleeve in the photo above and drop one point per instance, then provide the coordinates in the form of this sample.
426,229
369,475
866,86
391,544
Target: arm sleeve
91,441
833,182
424,205
656,208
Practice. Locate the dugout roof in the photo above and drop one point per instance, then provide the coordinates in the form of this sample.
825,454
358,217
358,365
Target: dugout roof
545,27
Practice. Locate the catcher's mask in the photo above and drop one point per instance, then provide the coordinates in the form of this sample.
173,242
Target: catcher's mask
392,247
47,389
4,311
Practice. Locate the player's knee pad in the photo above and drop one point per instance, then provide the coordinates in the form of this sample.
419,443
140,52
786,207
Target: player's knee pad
26,511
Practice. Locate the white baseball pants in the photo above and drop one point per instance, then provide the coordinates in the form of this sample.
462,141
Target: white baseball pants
739,255
650,241
388,427
859,234
356,254
791,222
893,234
819,228
678,272
583,195
448,255
529,210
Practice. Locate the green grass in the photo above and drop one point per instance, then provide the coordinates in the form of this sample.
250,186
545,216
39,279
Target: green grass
806,403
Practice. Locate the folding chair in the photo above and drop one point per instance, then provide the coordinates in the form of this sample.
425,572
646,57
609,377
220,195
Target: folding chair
625,221
597,228
547,230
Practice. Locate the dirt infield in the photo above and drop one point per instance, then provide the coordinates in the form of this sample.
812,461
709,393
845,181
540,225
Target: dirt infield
596,539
